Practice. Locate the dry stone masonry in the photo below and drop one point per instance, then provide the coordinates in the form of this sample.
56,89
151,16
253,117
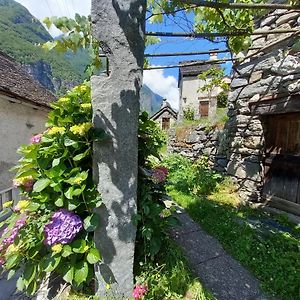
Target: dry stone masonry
270,73
197,141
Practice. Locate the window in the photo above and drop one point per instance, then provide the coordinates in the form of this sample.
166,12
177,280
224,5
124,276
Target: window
165,123
203,108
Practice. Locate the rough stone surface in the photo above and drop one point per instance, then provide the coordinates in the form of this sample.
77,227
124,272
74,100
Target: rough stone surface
219,272
274,71
290,64
198,141
116,109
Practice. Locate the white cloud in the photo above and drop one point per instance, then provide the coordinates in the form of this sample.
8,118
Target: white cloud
165,86
48,8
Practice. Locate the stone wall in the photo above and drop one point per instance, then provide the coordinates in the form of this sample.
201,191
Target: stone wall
195,141
272,71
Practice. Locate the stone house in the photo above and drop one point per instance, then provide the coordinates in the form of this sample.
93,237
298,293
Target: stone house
24,105
264,116
203,103
166,117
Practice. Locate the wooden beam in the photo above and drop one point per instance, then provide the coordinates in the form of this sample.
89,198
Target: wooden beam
186,53
282,204
201,3
281,105
199,63
219,34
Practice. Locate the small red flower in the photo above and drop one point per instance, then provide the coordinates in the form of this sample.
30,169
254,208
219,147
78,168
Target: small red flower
139,291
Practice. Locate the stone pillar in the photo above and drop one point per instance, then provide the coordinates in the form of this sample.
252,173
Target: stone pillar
119,25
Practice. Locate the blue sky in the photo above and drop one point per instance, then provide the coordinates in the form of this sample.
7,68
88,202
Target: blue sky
162,82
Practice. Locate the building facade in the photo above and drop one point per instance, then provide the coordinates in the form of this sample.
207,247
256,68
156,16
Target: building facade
24,106
166,117
192,98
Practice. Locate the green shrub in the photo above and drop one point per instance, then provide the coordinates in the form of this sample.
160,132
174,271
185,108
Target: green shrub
53,229
191,177
55,223
189,113
222,100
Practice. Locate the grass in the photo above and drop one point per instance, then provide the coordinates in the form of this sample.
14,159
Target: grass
184,128
273,256
170,278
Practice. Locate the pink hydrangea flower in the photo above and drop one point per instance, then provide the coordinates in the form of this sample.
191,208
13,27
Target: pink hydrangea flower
25,182
2,261
36,139
139,291
12,233
160,174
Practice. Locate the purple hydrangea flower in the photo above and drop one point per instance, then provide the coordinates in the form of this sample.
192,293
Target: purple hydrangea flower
63,227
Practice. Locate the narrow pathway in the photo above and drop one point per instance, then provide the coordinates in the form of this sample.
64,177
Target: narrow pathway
218,271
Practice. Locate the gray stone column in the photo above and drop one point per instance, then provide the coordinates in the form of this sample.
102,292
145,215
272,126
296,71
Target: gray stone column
119,25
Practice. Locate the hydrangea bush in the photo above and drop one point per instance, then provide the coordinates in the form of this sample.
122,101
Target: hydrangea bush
51,229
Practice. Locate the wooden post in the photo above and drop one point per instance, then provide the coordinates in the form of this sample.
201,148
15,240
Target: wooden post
119,25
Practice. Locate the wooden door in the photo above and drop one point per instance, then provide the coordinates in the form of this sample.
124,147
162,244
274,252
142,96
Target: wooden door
203,108
165,123
282,158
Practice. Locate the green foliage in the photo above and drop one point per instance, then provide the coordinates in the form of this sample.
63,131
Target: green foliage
222,100
170,277
189,113
211,20
214,78
59,163
271,254
153,217
77,35
191,177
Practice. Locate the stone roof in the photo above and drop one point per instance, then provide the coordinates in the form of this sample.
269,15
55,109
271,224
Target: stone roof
17,83
166,107
196,69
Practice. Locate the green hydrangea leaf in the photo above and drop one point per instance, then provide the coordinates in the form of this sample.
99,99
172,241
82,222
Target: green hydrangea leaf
91,222
93,256
81,272
41,185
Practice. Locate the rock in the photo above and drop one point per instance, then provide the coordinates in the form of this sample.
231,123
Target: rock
234,95
198,146
268,21
238,82
260,42
115,163
242,120
260,87
255,76
260,64
200,127
294,87
290,64
286,18
253,142
254,98
222,162
192,138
